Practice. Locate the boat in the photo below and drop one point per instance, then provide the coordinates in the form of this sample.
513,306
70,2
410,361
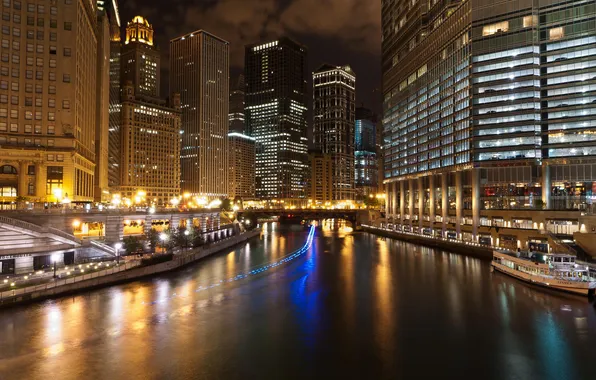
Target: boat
550,270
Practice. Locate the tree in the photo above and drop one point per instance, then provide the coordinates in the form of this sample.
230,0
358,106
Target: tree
181,237
153,238
132,245
196,237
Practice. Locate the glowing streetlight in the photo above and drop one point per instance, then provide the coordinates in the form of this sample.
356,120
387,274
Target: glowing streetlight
174,201
57,192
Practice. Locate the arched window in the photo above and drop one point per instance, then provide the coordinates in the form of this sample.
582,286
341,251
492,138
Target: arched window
8,191
7,169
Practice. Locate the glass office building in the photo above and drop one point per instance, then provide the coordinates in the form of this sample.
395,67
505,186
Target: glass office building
488,108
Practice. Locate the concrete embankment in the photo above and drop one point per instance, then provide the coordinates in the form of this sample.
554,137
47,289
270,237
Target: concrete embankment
132,274
464,249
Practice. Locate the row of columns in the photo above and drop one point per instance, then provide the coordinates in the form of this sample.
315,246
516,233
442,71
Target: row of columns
398,207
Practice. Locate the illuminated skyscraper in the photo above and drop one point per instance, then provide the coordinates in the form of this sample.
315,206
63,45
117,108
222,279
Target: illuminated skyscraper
48,101
199,71
140,59
367,165
276,117
488,109
333,111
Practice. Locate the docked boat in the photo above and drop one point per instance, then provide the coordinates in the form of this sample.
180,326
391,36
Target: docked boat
556,271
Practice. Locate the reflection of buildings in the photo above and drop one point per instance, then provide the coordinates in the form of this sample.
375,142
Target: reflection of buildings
48,100
488,108
366,164
276,117
333,132
320,185
242,166
199,72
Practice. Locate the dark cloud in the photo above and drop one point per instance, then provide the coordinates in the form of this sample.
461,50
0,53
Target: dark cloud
349,29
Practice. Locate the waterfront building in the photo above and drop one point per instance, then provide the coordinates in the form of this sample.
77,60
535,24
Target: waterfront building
236,112
276,117
333,127
48,101
150,149
199,71
489,118
140,59
111,10
320,186
108,29
366,155
242,166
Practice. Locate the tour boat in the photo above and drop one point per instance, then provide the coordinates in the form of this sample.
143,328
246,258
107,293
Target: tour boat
557,271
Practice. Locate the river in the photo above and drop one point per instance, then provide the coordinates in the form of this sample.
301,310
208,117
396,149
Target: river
353,306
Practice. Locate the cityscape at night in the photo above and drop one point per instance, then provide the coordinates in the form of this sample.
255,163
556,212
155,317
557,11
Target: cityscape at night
289,189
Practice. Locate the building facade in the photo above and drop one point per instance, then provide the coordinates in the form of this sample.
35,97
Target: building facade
236,115
241,174
334,107
48,101
140,59
199,72
320,184
112,11
490,125
276,117
150,148
366,155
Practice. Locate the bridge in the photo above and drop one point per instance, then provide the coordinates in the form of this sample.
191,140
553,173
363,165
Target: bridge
352,216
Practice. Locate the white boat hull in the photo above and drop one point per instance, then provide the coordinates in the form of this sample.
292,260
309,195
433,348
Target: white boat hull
582,288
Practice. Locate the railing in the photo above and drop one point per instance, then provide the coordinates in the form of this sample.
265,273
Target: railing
103,247
72,280
21,224
65,235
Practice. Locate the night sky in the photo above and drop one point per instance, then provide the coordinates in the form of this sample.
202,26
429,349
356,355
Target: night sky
335,31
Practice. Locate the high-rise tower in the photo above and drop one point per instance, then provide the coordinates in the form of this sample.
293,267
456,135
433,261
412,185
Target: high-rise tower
333,112
276,117
199,71
140,59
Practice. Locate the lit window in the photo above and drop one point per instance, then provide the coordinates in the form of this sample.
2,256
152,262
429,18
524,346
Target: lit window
556,33
499,27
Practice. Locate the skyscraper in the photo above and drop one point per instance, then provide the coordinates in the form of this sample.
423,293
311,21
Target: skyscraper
333,133
366,166
111,10
276,117
488,106
242,166
48,101
140,58
236,112
199,72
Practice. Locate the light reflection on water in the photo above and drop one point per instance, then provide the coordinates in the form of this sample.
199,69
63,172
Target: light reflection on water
354,306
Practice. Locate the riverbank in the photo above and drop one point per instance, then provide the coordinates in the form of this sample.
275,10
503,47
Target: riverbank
132,274
479,251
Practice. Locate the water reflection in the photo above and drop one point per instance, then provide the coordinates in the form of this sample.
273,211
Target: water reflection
354,306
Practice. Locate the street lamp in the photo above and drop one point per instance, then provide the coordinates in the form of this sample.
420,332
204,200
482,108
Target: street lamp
54,259
118,246
163,237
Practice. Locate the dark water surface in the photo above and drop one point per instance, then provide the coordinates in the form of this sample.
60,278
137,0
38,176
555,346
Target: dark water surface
355,306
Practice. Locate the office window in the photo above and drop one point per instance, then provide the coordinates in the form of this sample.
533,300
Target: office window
16,32
53,11
51,116
29,86
38,102
68,26
3,85
41,9
39,75
30,34
3,98
37,115
51,89
40,22
53,25
5,44
53,50
38,89
4,71
38,129
39,48
28,141
3,126
67,52
16,59
14,114
5,57
29,48
16,45
53,35
14,86
66,78
30,20
51,130
66,104
556,33
30,7
39,62
14,100
14,127
495,28
15,72
28,128
60,157
50,142
40,34
31,170
16,18
52,63
52,76
51,103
